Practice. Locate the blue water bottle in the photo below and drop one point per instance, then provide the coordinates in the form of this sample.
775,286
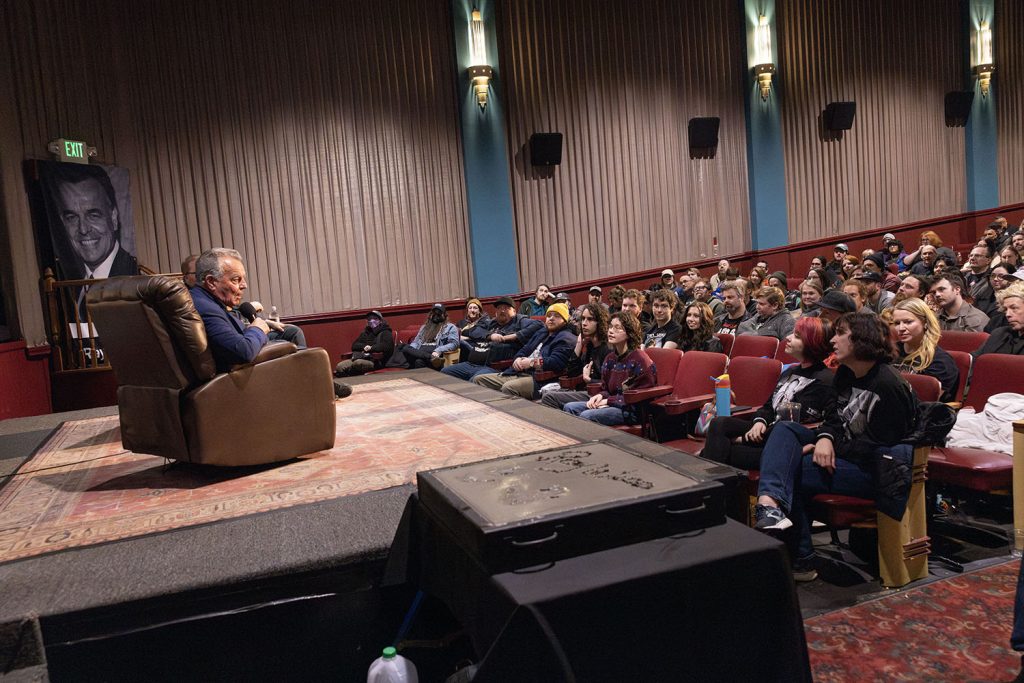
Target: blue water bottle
723,396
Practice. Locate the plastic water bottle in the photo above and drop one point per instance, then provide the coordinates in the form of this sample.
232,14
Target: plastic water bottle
392,667
723,396
274,315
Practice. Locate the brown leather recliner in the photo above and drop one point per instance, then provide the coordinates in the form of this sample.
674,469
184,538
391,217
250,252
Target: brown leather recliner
173,403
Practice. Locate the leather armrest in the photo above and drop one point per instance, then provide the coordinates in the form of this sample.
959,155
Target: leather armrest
634,396
269,351
571,383
545,376
594,388
746,413
500,365
678,406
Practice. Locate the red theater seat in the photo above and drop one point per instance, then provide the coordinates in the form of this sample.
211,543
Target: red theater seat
753,345
956,340
666,364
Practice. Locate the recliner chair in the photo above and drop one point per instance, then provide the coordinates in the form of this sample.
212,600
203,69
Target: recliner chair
171,401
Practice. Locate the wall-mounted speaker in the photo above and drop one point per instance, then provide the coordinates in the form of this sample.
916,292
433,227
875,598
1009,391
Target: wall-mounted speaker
839,115
703,132
958,107
546,149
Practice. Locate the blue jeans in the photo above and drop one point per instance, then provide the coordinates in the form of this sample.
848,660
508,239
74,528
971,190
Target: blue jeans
466,370
609,415
792,479
1017,636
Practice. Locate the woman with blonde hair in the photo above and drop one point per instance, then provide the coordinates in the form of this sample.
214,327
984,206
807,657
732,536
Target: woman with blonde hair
811,292
917,331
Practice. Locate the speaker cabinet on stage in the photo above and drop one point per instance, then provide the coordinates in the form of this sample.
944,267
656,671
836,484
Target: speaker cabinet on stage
702,134
546,149
958,107
839,115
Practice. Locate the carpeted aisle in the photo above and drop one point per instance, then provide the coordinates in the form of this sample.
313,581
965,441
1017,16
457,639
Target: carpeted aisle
956,629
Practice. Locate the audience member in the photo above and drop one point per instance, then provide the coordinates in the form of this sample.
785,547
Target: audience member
376,339
1000,278
834,304
537,304
499,340
188,270
684,292
917,345
549,350
856,290
734,310
976,274
850,264
929,238
615,299
664,331
875,410
625,367
925,264
772,319
1009,339
702,293
956,314
699,329
825,279
876,264
594,297
738,442
763,265
719,277
878,299
894,253
810,298
586,358
634,302
667,281
817,263
913,286
835,266
756,280
436,337
1009,257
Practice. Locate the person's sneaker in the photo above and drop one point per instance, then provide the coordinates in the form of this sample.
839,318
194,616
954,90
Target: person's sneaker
437,363
770,518
342,390
805,569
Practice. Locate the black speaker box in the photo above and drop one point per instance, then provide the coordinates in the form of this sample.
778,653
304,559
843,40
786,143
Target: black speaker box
958,107
546,149
839,115
703,132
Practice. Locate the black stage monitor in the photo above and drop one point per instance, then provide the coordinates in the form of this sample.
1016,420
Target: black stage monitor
839,115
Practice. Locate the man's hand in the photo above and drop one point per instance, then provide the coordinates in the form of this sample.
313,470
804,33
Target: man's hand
274,325
756,433
825,455
367,348
520,364
260,324
497,338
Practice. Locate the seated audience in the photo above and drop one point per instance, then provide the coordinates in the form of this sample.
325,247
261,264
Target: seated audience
702,293
664,331
738,442
475,319
698,333
587,356
376,338
835,266
817,263
734,310
537,304
913,286
976,273
719,277
1009,257
850,264
917,346
615,299
894,254
634,302
956,314
188,270
772,319
626,367
436,337
929,239
1009,339
1000,277
876,264
499,340
780,280
825,279
834,304
756,279
594,297
667,281
856,290
810,296
925,265
549,350
878,299
875,410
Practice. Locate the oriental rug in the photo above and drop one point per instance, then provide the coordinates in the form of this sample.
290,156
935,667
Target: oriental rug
83,488
956,629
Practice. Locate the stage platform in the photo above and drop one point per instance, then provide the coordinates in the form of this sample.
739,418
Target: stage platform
187,587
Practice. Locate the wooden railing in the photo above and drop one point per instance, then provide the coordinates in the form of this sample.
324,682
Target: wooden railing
75,345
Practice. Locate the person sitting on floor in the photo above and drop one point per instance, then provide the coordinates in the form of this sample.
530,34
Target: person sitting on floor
627,366
738,442
549,350
698,332
435,338
587,356
1009,339
664,331
861,435
772,319
375,339
499,340
917,345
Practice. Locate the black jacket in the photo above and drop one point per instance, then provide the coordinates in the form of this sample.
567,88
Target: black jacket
943,368
811,387
381,340
1002,340
574,368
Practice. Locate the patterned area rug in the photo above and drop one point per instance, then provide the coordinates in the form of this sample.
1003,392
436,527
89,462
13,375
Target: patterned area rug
957,629
82,488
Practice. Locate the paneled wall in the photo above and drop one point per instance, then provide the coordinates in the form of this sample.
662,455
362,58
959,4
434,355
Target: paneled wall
320,138
1009,93
620,80
896,59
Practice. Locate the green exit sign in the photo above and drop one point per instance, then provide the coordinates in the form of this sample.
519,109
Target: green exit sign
75,151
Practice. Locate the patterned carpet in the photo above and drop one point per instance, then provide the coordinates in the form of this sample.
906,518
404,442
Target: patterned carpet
82,488
957,629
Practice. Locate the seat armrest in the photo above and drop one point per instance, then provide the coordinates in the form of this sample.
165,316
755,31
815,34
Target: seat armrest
594,388
571,383
269,351
545,376
500,365
678,406
450,357
634,396
744,414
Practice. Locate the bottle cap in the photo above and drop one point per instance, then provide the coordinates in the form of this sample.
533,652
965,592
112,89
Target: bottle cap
723,381
390,652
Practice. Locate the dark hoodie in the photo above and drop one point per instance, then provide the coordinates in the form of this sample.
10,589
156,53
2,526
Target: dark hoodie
380,340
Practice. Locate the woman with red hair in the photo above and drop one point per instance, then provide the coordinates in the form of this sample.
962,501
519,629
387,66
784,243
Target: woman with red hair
929,237
737,442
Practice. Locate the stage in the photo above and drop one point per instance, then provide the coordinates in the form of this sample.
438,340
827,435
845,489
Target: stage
73,598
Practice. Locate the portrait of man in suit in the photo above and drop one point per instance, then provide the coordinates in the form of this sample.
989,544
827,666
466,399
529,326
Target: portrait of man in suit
87,223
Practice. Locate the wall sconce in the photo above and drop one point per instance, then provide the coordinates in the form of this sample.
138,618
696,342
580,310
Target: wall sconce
983,66
763,53
481,72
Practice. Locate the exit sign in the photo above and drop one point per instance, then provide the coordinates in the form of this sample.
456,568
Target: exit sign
75,151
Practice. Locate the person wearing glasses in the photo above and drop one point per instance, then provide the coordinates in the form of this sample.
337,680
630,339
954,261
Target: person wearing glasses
587,356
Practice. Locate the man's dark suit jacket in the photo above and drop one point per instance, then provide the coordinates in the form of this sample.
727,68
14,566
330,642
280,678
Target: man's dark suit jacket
230,341
124,264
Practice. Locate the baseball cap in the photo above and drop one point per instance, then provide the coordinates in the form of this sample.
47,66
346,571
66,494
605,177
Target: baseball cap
837,301
438,307
1019,274
561,296
376,313
505,301
869,276
595,290
841,247
888,237
667,271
